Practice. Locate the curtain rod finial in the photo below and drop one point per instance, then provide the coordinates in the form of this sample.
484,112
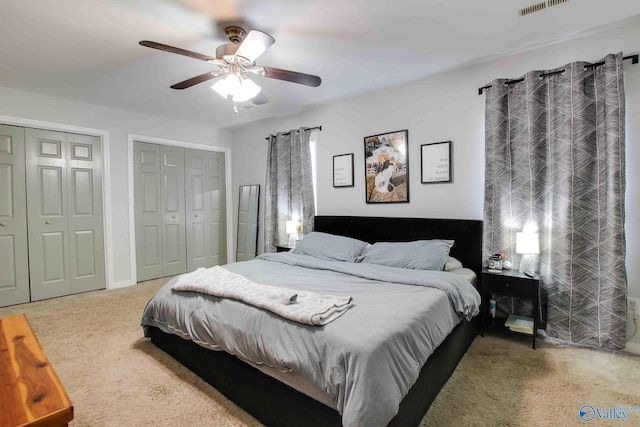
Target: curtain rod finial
481,89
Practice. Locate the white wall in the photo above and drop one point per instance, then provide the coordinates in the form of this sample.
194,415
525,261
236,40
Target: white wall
440,108
118,124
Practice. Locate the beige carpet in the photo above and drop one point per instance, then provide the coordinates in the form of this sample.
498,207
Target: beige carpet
116,377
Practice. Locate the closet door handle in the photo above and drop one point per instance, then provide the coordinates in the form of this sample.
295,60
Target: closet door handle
47,222
2,224
196,215
173,216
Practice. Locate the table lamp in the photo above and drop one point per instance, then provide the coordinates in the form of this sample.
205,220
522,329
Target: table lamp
291,228
528,245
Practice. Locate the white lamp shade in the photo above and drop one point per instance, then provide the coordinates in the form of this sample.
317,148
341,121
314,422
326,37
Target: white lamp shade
240,88
227,86
248,89
527,243
291,227
221,87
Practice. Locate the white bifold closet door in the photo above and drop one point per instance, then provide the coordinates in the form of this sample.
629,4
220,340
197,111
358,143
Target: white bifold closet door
14,265
180,218
64,199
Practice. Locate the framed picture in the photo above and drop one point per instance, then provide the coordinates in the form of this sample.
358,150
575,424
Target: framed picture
387,167
343,170
435,160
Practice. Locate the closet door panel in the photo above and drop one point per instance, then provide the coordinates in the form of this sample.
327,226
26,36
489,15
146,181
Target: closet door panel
215,221
198,243
86,232
172,252
171,195
82,197
148,216
174,247
153,243
53,258
9,283
151,193
196,212
206,238
47,214
50,183
249,197
85,262
217,209
14,267
6,189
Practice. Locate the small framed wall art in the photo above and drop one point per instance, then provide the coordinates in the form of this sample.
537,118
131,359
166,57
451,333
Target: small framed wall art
435,160
387,167
343,170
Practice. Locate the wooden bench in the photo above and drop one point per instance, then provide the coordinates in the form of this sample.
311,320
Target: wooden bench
30,392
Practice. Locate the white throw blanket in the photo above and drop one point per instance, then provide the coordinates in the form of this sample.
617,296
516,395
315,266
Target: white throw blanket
300,306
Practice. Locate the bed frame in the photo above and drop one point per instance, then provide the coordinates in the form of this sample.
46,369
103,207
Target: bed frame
276,404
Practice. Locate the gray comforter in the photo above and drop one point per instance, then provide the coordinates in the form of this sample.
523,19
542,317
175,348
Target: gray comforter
367,360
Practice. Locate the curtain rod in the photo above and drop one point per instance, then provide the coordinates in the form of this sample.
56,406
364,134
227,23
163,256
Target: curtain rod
633,58
289,133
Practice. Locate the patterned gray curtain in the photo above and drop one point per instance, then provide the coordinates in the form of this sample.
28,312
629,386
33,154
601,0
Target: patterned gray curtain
555,162
289,186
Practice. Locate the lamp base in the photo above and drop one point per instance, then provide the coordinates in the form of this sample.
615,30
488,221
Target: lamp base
292,241
528,265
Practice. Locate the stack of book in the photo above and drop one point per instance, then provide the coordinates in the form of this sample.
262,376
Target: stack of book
521,324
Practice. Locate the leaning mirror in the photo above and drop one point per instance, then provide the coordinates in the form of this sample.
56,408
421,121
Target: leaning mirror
247,243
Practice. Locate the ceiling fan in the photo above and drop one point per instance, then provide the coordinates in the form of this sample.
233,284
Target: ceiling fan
236,65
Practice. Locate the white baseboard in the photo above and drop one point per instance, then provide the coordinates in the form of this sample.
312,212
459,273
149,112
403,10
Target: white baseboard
633,347
122,284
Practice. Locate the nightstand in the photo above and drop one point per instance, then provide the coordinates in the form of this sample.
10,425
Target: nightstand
283,248
513,284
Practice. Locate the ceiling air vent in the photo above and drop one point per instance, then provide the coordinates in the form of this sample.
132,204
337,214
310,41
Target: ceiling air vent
539,7
551,3
532,9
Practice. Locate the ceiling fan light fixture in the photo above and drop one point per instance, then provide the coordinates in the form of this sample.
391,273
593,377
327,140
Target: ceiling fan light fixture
240,88
220,87
248,89
227,86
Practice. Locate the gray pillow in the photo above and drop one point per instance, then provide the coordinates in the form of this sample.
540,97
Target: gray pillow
452,264
330,247
418,255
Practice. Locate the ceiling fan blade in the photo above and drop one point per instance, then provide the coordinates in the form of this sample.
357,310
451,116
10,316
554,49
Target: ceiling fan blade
196,80
254,44
260,99
292,76
171,49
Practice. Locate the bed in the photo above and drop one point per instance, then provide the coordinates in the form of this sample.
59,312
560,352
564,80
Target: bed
279,390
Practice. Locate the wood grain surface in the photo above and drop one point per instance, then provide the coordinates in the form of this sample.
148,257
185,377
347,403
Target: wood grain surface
30,392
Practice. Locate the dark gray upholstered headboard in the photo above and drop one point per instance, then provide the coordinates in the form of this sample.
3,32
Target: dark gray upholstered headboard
466,233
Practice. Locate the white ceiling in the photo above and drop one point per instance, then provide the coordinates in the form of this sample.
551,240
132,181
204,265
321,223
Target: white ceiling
87,50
